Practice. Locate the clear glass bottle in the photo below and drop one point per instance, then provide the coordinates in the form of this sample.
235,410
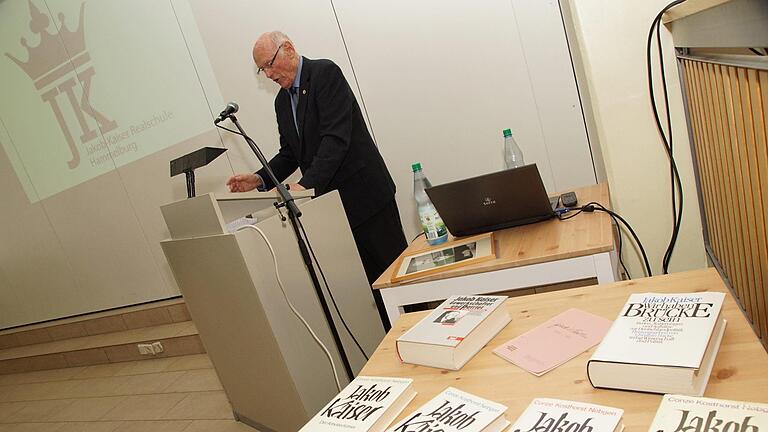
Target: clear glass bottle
431,222
513,156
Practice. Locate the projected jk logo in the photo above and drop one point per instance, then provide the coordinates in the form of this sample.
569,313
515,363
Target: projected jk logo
56,65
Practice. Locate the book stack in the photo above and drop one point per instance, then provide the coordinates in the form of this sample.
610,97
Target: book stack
454,410
549,415
367,404
661,343
370,404
697,414
454,332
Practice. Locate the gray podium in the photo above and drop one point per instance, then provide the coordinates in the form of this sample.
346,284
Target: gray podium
273,372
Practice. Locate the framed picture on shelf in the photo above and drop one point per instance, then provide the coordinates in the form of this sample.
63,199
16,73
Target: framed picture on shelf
456,253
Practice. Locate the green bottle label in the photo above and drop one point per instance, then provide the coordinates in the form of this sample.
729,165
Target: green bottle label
432,224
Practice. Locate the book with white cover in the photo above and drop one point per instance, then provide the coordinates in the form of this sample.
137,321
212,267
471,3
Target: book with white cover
549,415
367,404
695,414
454,410
661,343
454,332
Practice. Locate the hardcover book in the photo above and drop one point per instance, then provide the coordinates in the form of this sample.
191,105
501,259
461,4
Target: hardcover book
661,343
367,404
695,414
454,410
555,342
454,332
551,415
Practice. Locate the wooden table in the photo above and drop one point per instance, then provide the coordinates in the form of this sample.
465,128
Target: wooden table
740,371
543,253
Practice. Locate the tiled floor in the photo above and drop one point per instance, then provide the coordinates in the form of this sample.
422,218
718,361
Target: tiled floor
165,395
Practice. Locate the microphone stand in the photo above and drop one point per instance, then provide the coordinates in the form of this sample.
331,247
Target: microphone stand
294,214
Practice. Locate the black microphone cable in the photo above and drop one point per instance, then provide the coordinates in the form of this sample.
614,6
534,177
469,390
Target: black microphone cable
666,137
328,288
596,206
229,130
621,261
618,231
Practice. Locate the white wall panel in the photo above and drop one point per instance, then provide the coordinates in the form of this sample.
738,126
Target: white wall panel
441,80
545,47
36,275
104,244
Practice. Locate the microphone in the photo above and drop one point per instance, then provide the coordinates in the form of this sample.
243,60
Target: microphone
228,111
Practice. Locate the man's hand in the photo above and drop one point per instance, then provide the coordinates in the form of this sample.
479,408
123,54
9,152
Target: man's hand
292,186
243,182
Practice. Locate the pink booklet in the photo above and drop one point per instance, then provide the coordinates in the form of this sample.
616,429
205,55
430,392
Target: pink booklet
555,342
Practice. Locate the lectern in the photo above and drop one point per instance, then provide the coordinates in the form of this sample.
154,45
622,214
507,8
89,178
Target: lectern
274,373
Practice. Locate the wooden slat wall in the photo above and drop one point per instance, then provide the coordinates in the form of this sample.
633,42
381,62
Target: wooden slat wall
728,111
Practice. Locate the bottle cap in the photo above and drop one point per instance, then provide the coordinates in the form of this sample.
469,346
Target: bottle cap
507,133
416,167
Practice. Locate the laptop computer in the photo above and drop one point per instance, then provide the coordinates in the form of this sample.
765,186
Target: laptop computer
492,201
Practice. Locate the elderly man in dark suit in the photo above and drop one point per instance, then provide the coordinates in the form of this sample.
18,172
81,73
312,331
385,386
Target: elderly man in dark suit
322,133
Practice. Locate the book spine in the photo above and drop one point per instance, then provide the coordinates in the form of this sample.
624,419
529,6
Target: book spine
589,376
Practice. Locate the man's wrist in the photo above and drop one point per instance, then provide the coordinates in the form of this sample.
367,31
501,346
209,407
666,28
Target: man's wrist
259,183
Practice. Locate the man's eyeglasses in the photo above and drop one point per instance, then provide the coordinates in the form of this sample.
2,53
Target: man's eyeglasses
269,63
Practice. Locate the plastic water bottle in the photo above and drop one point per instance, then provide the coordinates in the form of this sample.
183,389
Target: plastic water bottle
513,156
431,222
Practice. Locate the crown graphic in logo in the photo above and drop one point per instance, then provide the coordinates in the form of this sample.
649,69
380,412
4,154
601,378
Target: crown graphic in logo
49,54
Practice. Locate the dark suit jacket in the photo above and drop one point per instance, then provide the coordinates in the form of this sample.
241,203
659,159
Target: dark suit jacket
334,149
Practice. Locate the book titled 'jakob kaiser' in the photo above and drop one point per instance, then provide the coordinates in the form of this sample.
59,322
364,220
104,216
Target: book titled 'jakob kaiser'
553,415
695,414
452,411
454,332
661,343
367,404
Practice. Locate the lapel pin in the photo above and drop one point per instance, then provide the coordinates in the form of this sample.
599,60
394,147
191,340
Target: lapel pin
303,92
